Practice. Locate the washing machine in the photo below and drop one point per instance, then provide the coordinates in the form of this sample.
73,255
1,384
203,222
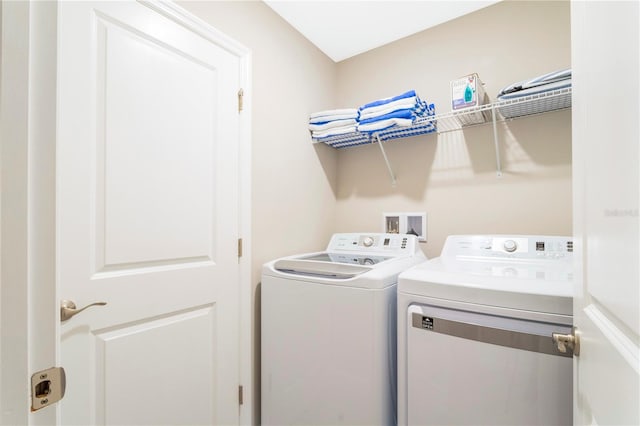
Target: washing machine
475,325
328,332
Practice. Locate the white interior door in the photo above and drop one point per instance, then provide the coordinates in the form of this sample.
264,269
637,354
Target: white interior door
605,45
147,218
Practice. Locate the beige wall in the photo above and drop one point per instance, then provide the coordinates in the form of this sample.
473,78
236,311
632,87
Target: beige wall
293,181
452,176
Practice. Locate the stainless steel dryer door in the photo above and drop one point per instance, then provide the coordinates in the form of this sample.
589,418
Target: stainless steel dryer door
471,368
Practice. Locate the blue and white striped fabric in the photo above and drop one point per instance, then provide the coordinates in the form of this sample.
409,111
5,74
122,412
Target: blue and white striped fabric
345,141
379,125
401,113
419,127
331,124
408,94
383,119
395,112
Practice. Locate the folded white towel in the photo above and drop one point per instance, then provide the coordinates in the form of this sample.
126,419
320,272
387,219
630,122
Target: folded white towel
384,124
334,132
332,124
330,112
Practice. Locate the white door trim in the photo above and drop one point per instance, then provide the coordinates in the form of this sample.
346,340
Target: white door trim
28,301
29,312
13,230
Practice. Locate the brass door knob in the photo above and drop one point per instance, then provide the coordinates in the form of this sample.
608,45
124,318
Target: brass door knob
68,309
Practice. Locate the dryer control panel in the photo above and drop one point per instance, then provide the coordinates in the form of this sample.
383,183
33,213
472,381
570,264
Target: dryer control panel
526,247
374,243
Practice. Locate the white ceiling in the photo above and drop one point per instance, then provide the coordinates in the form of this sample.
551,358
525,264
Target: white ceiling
345,28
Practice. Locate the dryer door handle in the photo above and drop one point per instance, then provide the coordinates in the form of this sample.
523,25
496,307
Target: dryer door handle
567,341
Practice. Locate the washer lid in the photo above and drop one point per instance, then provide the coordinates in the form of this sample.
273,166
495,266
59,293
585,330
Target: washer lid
354,259
308,266
371,261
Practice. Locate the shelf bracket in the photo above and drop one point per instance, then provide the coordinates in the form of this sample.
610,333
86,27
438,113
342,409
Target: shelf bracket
386,160
496,142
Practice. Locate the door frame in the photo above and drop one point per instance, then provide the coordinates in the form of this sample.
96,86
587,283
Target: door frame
29,311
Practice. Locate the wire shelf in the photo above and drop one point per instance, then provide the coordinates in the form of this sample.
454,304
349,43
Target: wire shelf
456,120
421,126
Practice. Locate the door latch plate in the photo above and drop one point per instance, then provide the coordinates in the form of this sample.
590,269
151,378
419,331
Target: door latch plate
47,387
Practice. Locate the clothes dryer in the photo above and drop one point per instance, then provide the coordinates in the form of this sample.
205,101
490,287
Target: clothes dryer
475,333
328,352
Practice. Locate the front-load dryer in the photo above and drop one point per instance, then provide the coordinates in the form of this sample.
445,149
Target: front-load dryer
328,332
475,329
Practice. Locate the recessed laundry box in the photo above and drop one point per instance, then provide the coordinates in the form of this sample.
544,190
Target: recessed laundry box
329,332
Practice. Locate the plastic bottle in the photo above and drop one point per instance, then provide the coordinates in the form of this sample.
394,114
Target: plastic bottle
468,93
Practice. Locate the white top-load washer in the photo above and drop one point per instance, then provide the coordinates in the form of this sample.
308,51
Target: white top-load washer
328,332
475,331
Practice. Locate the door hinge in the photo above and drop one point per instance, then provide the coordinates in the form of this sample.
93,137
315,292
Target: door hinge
240,399
239,247
240,99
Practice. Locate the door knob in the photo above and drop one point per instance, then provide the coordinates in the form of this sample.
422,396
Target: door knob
566,342
68,309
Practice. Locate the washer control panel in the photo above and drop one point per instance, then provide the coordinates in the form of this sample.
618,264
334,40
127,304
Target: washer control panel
508,246
379,243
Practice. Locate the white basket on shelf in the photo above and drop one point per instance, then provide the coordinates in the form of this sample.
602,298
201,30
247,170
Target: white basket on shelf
535,103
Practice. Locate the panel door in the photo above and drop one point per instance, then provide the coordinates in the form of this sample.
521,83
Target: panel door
606,222
147,218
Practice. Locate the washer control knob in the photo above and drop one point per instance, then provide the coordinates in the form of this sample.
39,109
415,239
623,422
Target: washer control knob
367,241
510,246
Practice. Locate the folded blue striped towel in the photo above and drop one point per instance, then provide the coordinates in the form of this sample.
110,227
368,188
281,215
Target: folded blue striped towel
378,125
400,118
331,124
396,111
408,94
379,110
406,101
402,113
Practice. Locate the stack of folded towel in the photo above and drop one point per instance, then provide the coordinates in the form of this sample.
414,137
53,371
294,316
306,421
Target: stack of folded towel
398,111
336,122
350,126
